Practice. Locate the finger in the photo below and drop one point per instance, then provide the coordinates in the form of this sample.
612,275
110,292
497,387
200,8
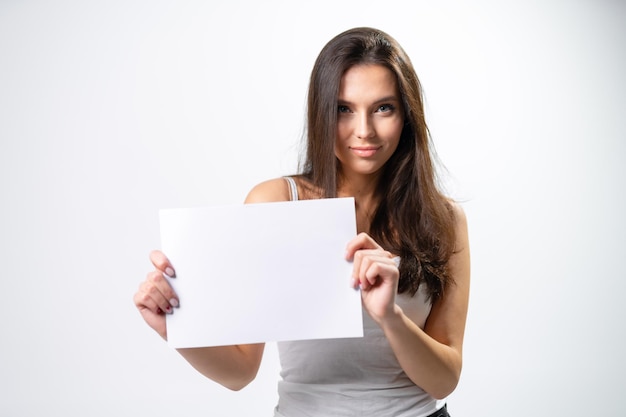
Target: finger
381,274
360,265
370,271
372,254
144,301
374,271
152,299
157,286
160,262
371,266
361,241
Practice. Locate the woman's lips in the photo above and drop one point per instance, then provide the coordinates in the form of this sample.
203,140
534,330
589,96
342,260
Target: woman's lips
365,151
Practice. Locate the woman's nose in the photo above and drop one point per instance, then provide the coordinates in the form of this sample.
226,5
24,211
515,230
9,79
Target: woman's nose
364,128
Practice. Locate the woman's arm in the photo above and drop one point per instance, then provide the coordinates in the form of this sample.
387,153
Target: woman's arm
231,366
432,357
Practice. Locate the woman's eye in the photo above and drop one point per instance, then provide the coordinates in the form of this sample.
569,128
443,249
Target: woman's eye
343,109
386,108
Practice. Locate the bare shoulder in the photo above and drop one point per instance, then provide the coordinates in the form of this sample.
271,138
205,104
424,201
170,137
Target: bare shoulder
460,220
461,232
459,214
269,191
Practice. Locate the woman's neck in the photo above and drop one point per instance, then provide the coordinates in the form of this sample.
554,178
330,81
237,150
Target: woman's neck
363,189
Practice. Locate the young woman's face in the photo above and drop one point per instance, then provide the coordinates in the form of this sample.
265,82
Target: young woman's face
370,119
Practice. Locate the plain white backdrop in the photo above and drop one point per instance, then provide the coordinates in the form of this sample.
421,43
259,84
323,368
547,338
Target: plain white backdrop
112,110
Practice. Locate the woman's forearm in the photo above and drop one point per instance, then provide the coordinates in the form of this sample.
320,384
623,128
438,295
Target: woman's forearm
433,366
231,366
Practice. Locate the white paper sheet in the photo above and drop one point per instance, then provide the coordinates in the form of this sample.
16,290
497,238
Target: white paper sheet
261,272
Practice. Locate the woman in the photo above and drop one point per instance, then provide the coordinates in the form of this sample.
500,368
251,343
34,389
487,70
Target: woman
367,138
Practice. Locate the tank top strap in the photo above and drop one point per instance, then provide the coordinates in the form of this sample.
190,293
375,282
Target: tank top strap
293,188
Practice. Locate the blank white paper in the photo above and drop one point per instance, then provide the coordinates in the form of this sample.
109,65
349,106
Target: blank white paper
261,272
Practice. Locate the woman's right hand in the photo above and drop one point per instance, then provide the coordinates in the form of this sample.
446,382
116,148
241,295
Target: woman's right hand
155,296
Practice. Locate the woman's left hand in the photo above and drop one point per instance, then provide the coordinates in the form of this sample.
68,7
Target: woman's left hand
376,272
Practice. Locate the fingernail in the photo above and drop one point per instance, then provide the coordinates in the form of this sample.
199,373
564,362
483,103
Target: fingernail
174,302
169,310
170,272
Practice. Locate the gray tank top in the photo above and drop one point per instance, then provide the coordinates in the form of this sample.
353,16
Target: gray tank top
352,376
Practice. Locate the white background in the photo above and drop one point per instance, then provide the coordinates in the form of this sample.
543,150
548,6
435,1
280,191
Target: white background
112,110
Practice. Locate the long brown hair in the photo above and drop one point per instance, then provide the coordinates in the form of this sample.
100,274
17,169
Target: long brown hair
413,218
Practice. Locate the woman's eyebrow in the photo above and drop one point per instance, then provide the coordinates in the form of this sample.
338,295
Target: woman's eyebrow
377,101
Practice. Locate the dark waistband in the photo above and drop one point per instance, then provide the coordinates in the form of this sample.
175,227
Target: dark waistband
442,412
